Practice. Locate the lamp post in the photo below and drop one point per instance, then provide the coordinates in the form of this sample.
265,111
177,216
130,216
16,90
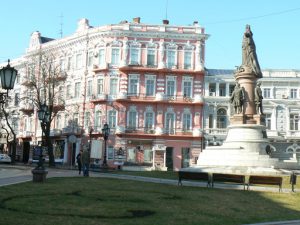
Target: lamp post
90,133
105,132
8,76
44,117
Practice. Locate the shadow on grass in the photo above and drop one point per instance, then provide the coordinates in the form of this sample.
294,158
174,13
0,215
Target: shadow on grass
113,201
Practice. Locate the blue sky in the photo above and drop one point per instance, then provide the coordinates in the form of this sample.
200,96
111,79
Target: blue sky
274,23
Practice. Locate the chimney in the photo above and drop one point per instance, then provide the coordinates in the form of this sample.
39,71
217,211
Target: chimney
165,22
195,23
136,19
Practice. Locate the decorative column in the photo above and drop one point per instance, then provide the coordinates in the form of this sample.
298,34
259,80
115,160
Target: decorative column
124,61
161,50
198,57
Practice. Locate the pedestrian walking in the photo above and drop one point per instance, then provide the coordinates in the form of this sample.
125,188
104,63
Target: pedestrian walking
85,159
79,163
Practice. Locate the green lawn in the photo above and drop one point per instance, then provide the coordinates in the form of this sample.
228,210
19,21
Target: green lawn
104,201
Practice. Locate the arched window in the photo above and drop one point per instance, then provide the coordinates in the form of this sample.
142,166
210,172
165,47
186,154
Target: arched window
221,118
170,123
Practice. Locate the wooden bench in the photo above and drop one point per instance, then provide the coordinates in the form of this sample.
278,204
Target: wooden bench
199,176
230,178
265,180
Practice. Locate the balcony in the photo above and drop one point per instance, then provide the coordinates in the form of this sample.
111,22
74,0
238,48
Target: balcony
100,68
178,131
174,99
98,98
55,132
26,108
155,69
26,134
72,130
139,130
149,131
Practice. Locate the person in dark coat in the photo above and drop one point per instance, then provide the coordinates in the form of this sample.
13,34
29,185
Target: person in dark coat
85,159
79,163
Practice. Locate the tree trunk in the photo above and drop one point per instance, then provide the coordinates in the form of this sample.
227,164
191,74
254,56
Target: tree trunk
49,146
14,151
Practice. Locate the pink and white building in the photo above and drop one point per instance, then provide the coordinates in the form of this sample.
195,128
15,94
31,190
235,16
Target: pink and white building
144,80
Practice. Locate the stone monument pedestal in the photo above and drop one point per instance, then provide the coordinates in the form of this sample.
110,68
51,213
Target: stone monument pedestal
39,175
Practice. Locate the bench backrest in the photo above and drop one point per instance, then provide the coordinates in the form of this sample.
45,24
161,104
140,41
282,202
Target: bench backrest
265,180
228,177
193,175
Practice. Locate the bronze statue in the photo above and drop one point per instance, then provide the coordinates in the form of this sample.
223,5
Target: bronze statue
249,57
237,98
258,98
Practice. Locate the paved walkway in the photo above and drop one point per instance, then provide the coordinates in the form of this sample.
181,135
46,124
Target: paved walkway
18,174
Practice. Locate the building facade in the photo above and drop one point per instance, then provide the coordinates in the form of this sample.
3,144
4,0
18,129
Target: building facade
281,108
146,81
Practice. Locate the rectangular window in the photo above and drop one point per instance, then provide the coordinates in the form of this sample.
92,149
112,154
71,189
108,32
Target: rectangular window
187,88
90,59
134,56
115,56
147,155
69,94
77,90
187,60
186,123
113,86
133,85
101,57
100,86
149,121
89,91
151,57
222,89
150,85
70,63
293,93
98,120
131,155
170,87
112,119
110,153
267,93
78,61
170,122
294,122
62,65
132,120
171,59
75,119
87,119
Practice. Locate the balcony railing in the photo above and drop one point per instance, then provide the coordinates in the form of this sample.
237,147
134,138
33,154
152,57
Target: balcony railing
72,130
151,130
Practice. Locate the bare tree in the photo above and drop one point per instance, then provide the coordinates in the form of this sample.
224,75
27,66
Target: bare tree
11,132
44,82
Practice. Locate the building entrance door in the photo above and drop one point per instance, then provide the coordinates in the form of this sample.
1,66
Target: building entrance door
26,150
169,158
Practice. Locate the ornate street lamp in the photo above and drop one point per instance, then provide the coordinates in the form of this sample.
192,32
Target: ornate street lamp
8,76
105,132
44,117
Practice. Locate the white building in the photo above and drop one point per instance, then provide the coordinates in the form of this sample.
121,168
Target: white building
281,92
